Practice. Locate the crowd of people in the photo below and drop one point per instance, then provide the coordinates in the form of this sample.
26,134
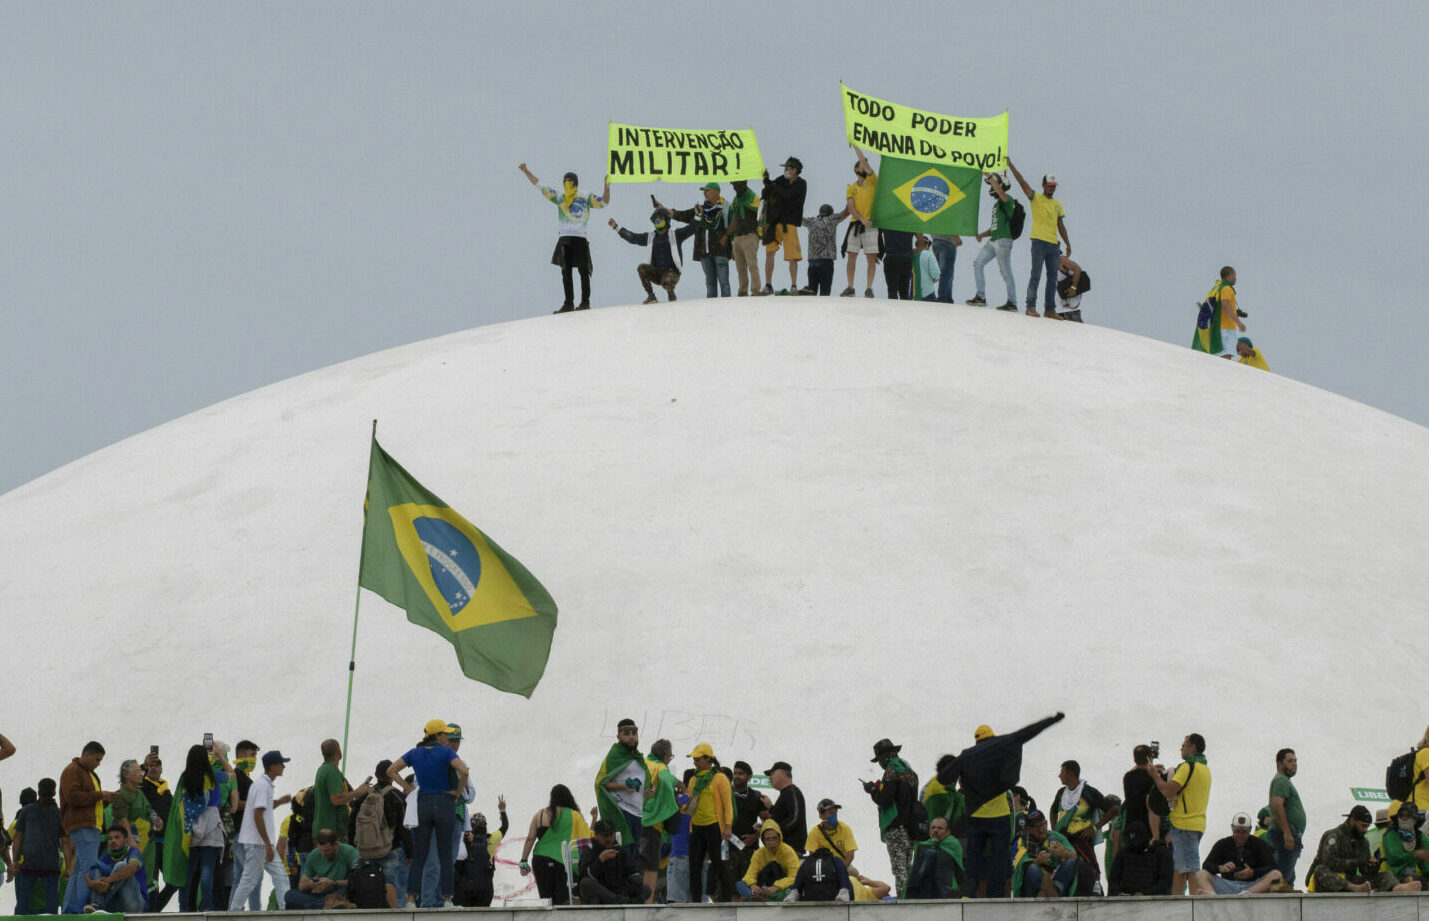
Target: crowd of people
734,230
409,834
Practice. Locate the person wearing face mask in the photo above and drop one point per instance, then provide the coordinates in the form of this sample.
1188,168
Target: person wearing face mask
1343,862
832,834
664,258
896,796
784,215
572,248
1406,848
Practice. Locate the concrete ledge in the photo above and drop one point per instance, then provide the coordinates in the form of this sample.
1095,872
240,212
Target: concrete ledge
1376,907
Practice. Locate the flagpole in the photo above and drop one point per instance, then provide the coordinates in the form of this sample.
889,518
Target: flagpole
356,607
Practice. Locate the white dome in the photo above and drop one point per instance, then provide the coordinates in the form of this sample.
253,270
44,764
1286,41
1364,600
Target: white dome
787,527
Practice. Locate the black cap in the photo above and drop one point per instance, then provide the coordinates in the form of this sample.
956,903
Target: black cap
827,804
779,766
884,745
1360,814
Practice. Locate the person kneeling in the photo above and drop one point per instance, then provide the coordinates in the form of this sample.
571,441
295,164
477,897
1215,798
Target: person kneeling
606,874
772,868
1240,864
323,883
114,878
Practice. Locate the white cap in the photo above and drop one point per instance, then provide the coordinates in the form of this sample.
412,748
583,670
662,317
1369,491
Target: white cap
1050,178
1242,820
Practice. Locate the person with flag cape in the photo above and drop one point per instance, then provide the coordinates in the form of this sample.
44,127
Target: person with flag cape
1218,318
896,796
559,823
619,786
193,836
660,811
130,807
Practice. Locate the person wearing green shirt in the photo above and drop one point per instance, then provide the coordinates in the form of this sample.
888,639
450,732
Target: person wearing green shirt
1287,817
1406,848
998,245
331,793
325,872
1046,863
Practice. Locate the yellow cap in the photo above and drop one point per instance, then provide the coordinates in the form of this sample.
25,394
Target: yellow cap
983,732
436,727
702,750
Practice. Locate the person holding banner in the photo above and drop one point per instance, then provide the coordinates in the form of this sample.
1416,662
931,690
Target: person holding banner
1047,223
784,215
862,236
572,248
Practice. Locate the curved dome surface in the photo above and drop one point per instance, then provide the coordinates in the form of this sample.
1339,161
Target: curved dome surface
788,527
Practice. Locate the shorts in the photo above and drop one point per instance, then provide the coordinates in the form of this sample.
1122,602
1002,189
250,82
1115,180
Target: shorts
651,844
787,234
1185,850
862,241
1225,886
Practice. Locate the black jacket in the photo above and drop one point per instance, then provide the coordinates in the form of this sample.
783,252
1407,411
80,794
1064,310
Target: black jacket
993,766
1141,871
789,812
1256,854
614,874
901,792
786,200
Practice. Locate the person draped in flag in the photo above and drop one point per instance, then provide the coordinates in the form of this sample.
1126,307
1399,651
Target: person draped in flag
559,823
1080,811
619,786
1219,318
193,838
660,813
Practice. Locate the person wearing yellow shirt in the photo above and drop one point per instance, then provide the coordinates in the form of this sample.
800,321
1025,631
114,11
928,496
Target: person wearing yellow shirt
1249,354
1189,788
1047,223
862,235
711,811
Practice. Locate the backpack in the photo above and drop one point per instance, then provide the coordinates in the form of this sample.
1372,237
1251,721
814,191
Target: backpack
372,836
1399,779
300,829
367,886
1018,219
821,885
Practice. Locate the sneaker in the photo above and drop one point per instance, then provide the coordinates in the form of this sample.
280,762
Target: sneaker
1009,306
806,290
977,300
448,906
868,292
565,308
583,305
847,292
1032,312
649,299
670,297
766,291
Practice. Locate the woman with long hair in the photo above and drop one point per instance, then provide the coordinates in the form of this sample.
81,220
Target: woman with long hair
193,842
558,823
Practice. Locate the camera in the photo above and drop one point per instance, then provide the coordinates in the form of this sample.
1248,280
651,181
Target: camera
1155,748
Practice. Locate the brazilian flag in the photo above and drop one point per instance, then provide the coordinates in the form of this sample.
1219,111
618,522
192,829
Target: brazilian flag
1207,337
420,555
926,197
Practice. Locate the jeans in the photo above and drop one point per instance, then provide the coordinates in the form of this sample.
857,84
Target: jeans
431,873
86,852
434,814
1044,255
202,861
250,863
946,252
677,879
124,898
298,900
25,885
996,869
399,872
821,276
631,833
716,275
1062,879
1285,860
1002,251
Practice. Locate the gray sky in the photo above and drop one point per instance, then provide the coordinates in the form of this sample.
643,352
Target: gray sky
198,199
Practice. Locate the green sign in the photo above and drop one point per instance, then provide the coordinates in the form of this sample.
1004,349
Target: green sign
1364,794
759,782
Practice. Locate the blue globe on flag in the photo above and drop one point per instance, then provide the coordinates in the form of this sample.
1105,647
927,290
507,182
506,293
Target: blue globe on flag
929,194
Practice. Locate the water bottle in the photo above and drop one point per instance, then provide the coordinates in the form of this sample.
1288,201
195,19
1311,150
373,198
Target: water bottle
724,850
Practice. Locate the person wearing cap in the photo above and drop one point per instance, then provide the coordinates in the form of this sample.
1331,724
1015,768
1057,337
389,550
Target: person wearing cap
1286,832
664,259
1080,811
475,873
572,248
988,769
620,784
862,236
392,853
998,245
1047,223
1249,354
928,269
788,810
1240,864
711,812
896,796
607,875
829,832
1189,788
1343,862
1406,848
1046,865
433,761
332,794
710,218
937,868
431,872
783,216
254,848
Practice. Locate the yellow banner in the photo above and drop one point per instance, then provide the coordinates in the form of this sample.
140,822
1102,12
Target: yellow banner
655,154
888,128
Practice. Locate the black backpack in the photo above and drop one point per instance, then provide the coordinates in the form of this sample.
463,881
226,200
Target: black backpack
367,886
1018,220
1084,284
300,829
1399,779
821,882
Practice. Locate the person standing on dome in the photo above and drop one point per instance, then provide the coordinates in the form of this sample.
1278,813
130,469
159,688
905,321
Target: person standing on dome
1047,223
784,198
572,248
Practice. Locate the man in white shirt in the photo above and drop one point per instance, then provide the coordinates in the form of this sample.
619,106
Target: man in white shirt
254,847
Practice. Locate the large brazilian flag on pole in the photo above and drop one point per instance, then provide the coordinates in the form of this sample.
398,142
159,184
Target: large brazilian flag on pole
420,555
925,197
